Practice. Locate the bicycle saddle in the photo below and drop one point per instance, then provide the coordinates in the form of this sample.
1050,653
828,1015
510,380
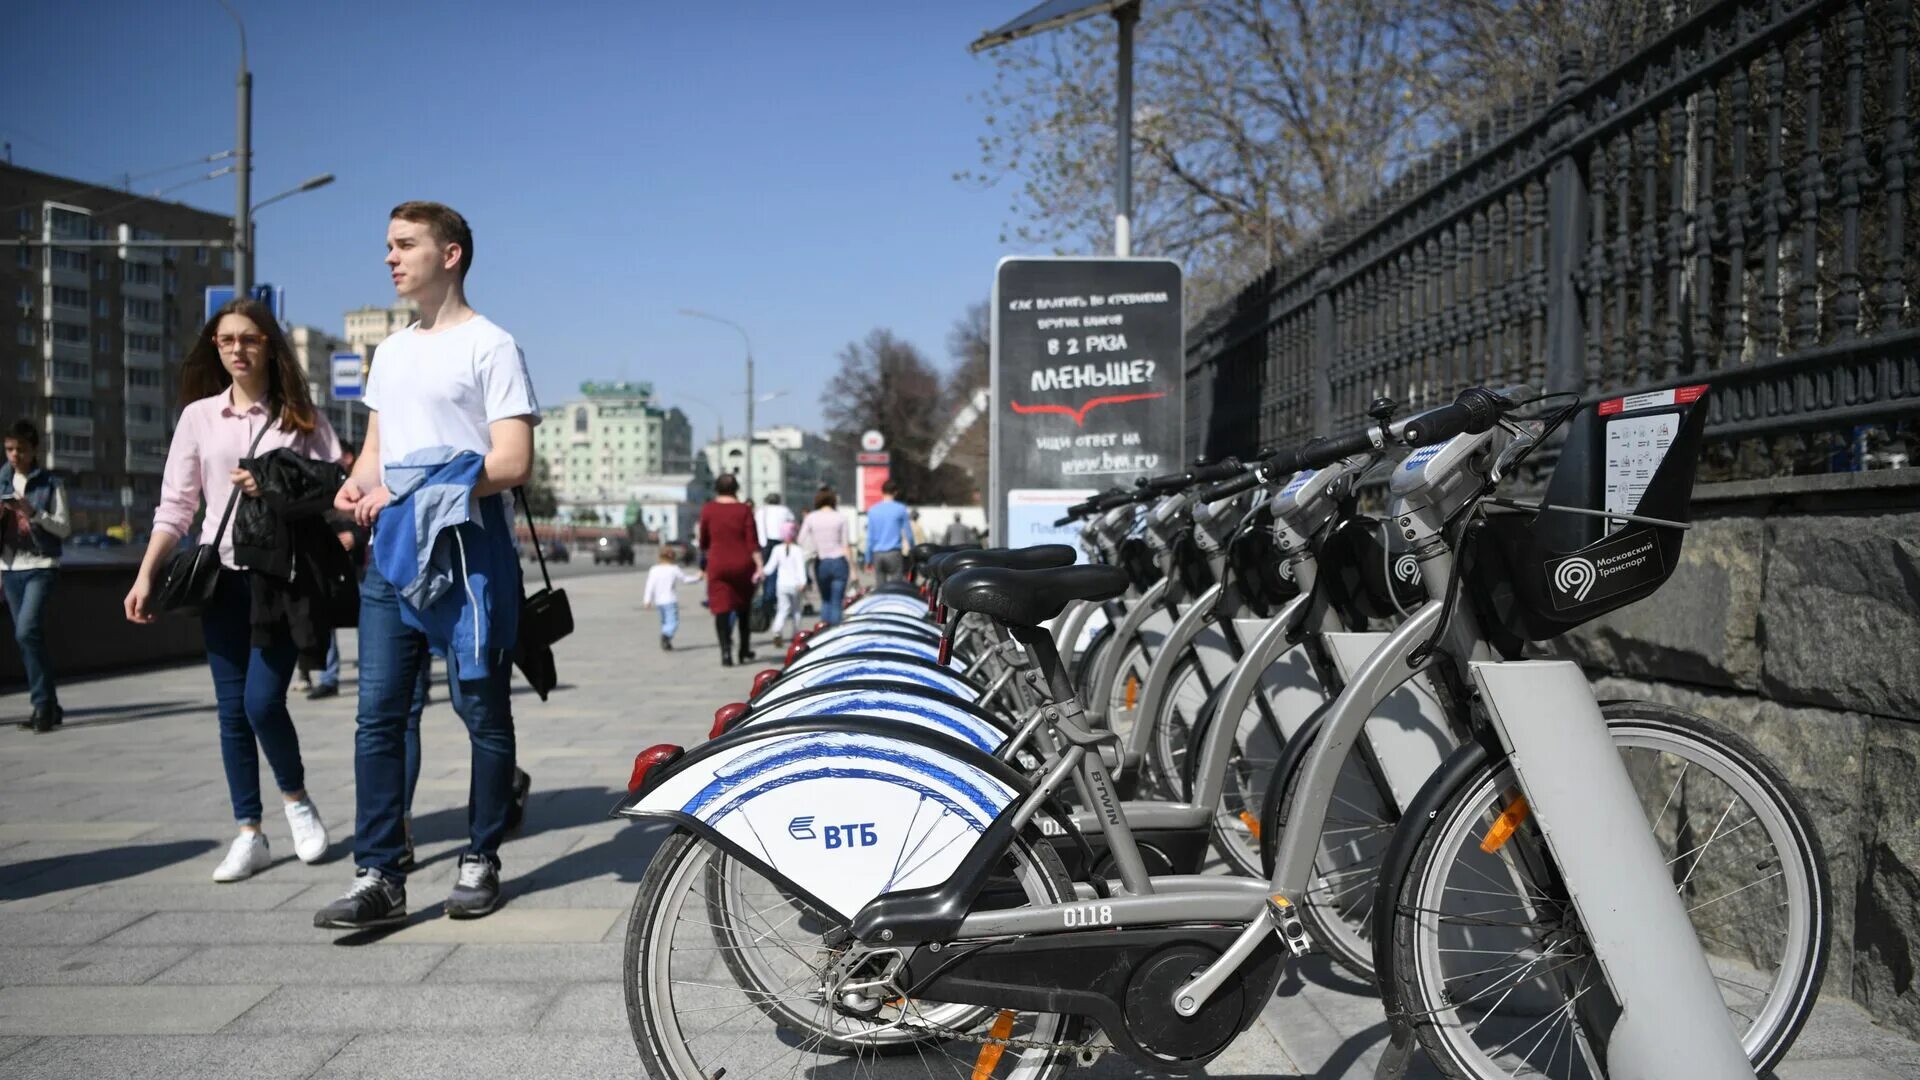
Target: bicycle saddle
1042,557
1029,597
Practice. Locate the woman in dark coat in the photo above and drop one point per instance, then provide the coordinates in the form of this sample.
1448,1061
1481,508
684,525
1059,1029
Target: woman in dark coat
732,545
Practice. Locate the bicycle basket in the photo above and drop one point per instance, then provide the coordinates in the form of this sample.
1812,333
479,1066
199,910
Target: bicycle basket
1363,577
1254,560
1136,558
1536,576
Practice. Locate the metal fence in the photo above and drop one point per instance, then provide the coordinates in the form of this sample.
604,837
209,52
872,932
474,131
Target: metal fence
1728,204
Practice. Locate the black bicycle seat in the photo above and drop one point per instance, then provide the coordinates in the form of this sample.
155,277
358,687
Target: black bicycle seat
1041,557
1029,597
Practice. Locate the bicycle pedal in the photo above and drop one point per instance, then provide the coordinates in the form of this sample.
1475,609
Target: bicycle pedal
1286,923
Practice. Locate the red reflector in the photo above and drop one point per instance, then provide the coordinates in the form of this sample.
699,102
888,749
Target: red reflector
764,679
798,646
649,759
819,626
724,716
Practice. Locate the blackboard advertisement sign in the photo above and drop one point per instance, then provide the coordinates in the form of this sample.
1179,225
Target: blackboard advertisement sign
1088,385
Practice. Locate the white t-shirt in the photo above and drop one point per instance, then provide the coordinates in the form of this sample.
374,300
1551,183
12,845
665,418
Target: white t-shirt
788,567
771,520
443,389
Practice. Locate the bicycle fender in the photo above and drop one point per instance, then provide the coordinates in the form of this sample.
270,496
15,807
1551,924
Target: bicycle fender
862,644
940,713
884,667
841,810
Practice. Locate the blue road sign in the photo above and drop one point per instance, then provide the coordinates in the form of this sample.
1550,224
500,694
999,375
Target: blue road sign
346,376
274,298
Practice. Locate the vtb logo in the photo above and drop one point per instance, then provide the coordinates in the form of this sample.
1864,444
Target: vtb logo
801,828
1574,577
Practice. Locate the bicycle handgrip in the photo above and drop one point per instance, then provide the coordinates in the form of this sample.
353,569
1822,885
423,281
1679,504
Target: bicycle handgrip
1320,453
1227,489
1471,413
1224,469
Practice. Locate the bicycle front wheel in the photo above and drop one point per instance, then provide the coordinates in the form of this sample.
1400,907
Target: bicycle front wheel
726,972
1490,960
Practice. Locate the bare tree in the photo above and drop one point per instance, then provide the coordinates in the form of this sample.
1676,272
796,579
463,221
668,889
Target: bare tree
1257,122
886,384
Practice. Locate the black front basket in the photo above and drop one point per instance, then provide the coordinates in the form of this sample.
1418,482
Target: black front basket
1536,576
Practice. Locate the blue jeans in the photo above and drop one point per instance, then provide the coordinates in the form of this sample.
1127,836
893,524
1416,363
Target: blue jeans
669,620
413,730
27,599
250,685
831,576
392,655
331,675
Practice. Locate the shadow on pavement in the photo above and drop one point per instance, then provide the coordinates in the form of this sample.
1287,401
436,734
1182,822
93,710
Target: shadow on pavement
39,876
626,854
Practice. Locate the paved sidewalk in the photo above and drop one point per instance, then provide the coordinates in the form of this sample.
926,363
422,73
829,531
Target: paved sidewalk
119,956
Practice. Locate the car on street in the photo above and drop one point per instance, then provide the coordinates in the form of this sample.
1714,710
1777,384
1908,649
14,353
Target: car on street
553,550
613,549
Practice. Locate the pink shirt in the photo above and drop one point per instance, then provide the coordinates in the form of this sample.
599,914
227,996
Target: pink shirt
825,531
207,445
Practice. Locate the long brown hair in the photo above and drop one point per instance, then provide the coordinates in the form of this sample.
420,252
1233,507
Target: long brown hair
203,375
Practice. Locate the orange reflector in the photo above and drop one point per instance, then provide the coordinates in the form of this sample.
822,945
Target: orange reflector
990,1052
1133,690
1504,826
1252,823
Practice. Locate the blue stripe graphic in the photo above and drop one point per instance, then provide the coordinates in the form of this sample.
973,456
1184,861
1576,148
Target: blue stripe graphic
815,748
748,796
969,730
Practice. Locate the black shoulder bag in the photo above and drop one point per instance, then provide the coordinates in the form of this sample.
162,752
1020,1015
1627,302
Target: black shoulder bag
545,617
188,581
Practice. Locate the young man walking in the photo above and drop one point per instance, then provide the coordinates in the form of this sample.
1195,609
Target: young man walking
33,522
888,537
449,435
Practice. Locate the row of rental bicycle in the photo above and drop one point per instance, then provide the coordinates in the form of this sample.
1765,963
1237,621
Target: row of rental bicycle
1041,805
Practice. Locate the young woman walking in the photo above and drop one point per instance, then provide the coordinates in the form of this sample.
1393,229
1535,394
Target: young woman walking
824,533
246,396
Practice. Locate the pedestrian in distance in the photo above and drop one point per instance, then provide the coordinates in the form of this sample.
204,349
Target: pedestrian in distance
33,522
787,570
661,592
889,537
246,396
960,534
824,535
451,412
772,520
732,545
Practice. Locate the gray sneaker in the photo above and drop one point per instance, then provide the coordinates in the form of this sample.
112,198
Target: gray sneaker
371,901
477,892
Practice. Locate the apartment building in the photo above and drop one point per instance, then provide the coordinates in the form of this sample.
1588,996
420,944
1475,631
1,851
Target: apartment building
595,451
98,332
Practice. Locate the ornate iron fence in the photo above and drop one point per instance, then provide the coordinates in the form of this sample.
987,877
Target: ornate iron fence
1729,203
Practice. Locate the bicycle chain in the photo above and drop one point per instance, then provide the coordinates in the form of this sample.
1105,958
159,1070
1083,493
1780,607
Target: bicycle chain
1078,1048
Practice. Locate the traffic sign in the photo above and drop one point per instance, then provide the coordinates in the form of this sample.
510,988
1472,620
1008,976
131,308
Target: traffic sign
347,384
872,441
274,298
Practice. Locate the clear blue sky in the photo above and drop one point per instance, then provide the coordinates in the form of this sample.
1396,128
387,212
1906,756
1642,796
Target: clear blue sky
787,165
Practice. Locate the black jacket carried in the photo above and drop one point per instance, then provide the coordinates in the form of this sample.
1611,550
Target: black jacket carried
302,579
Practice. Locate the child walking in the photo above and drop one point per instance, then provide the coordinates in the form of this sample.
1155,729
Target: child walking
787,568
662,580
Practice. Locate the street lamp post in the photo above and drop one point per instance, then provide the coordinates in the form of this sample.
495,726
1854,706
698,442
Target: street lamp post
749,343
243,168
310,184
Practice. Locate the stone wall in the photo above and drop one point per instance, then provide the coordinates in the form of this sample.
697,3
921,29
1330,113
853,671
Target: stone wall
1794,618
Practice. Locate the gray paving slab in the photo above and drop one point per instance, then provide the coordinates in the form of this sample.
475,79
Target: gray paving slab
309,965
101,965
215,1057
238,896
592,1008
529,963
490,1008
416,1057
61,927
218,928
9,1044
123,1010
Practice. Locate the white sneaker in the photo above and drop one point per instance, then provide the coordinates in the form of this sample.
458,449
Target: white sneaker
309,832
247,857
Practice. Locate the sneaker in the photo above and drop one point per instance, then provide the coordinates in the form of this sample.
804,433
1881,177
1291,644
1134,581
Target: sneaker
477,892
309,832
517,806
666,643
324,690
405,861
747,656
247,857
371,901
